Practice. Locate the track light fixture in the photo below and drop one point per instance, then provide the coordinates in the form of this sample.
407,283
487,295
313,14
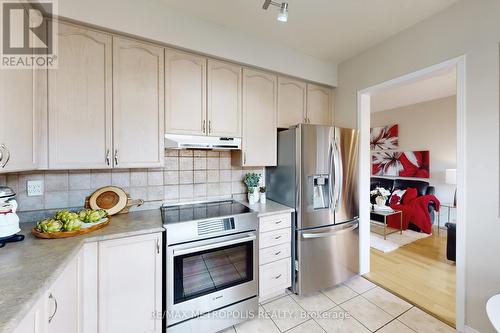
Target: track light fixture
283,14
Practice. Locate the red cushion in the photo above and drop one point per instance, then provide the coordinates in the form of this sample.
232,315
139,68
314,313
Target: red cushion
411,194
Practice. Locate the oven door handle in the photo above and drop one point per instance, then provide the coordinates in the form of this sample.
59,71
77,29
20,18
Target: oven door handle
182,252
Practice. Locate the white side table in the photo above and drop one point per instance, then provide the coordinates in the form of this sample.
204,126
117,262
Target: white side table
493,311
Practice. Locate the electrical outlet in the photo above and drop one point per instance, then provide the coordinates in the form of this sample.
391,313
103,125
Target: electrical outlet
34,188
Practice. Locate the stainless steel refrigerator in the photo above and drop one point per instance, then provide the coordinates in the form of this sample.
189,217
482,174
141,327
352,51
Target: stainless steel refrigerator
317,174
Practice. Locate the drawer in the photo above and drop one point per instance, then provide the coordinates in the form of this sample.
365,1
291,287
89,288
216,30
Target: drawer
276,237
275,222
274,253
275,275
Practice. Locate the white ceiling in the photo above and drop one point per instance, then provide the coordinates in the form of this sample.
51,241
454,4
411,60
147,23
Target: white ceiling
332,30
438,85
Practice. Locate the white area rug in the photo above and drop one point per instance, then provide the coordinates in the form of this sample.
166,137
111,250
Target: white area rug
394,241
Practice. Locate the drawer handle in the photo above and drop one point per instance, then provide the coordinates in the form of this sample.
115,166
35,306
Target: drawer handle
278,222
277,237
277,277
277,253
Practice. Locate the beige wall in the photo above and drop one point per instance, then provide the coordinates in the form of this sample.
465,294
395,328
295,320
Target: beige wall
427,126
471,28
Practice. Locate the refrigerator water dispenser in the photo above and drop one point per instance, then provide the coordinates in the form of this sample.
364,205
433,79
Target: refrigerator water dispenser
321,191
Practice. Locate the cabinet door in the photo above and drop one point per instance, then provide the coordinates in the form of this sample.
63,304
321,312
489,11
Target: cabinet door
21,119
80,100
130,284
185,93
291,102
138,104
63,301
34,321
319,105
224,99
259,118
88,281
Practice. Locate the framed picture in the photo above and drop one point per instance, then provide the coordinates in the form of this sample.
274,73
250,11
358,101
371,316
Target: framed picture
384,138
401,164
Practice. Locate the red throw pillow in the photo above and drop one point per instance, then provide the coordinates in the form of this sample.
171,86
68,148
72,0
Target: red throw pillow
411,193
397,197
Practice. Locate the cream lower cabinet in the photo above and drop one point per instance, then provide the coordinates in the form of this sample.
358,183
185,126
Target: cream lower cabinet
275,263
138,104
259,143
80,100
35,319
130,284
319,105
291,102
63,301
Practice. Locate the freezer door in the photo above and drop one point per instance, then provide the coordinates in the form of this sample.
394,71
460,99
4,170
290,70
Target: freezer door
345,169
326,257
316,178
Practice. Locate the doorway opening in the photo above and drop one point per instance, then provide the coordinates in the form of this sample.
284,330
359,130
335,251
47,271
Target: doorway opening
412,145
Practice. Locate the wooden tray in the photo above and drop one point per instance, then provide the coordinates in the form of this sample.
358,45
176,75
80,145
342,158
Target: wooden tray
66,234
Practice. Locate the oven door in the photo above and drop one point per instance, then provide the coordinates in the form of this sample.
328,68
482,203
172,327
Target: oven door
206,275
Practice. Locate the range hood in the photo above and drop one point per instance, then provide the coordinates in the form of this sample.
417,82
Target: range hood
177,141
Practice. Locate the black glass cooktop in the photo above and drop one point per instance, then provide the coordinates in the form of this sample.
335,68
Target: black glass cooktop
202,211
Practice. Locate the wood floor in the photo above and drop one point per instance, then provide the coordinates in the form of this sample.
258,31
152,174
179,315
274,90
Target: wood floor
420,273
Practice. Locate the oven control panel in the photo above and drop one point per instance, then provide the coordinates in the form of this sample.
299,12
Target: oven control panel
215,226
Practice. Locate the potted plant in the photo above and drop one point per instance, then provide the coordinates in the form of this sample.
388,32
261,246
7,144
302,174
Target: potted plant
262,194
252,182
253,196
381,195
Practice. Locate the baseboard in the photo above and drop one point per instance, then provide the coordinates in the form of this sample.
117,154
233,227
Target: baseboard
470,330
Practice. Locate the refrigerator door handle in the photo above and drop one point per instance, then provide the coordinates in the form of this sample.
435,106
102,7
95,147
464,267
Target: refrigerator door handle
330,175
339,179
330,234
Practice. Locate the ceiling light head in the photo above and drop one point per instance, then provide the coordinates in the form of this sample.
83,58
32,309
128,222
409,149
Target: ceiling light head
283,14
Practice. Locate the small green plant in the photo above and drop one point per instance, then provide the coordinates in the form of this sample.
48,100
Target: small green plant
252,180
262,189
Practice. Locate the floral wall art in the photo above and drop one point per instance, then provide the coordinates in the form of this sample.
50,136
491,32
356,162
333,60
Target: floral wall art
384,138
401,164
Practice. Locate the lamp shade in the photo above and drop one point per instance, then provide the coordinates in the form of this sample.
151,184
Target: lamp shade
451,176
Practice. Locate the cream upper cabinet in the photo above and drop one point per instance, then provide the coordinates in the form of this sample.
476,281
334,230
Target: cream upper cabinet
185,93
130,284
259,118
80,100
224,99
291,102
23,113
138,104
63,299
319,105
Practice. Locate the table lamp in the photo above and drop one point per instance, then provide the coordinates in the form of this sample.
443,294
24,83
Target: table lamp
451,178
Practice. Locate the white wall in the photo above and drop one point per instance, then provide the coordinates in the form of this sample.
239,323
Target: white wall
153,19
428,126
471,27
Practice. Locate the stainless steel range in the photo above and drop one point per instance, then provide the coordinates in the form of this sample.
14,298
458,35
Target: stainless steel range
211,265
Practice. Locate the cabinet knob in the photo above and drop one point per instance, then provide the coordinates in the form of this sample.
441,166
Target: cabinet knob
4,155
55,307
108,157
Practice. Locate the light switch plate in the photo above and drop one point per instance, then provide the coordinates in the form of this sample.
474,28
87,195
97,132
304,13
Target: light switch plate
34,188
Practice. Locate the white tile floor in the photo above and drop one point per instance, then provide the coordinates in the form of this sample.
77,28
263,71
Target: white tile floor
358,306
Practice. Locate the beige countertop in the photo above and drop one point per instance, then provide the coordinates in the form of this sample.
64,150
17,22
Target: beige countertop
30,267
269,208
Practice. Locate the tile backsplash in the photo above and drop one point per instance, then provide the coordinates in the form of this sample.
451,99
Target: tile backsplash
187,175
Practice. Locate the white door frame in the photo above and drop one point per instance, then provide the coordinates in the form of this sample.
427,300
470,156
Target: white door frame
365,172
